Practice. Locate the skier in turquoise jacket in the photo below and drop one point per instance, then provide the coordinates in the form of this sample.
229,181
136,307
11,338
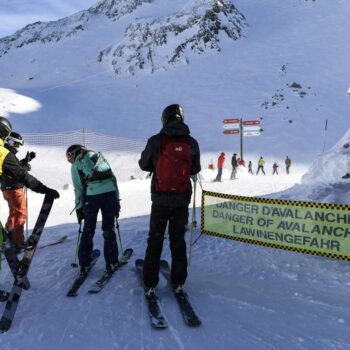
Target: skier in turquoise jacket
95,188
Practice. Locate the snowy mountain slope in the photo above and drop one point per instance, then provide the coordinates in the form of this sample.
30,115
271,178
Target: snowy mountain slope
323,180
288,68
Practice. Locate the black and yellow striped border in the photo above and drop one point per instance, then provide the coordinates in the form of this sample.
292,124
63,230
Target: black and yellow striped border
303,204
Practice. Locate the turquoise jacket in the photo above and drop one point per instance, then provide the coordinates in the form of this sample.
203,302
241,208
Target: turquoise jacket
83,167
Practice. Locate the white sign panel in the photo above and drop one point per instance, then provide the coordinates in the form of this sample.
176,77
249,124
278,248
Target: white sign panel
230,126
252,128
251,133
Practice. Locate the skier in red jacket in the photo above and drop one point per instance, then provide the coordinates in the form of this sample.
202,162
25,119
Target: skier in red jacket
221,161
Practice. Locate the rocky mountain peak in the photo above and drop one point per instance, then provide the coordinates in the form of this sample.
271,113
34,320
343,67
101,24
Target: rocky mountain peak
117,8
143,43
155,44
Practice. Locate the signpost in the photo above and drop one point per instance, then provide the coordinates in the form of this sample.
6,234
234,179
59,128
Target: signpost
231,126
250,122
251,133
231,121
243,127
230,132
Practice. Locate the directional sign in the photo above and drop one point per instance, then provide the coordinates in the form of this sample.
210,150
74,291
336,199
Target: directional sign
251,133
231,126
252,128
234,131
251,122
232,121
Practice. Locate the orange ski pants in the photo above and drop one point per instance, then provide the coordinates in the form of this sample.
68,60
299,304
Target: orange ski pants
17,213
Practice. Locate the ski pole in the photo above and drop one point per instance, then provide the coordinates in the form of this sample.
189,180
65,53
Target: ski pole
195,241
2,239
26,194
74,264
193,222
194,205
119,237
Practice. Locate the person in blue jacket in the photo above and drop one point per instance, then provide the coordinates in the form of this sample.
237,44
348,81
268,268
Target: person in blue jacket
95,188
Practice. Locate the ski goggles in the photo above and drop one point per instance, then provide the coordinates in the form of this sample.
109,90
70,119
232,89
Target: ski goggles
70,157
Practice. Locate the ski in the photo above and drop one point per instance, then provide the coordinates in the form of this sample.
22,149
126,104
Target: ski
189,315
155,312
13,261
22,269
78,282
103,280
4,295
59,241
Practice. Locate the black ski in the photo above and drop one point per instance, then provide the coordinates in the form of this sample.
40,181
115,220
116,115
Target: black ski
78,282
189,315
4,295
103,280
23,267
12,260
59,241
155,313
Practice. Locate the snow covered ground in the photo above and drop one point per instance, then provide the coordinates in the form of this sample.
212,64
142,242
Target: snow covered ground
248,297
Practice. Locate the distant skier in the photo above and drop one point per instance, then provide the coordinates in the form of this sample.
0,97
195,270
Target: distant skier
234,166
261,164
11,167
221,162
14,194
95,188
288,163
275,168
172,156
250,165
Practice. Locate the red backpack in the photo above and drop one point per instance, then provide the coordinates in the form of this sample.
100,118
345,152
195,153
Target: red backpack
174,163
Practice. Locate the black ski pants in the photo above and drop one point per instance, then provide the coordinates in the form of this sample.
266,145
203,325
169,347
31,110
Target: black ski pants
106,202
177,218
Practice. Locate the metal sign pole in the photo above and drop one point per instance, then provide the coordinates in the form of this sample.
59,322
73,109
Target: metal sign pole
241,131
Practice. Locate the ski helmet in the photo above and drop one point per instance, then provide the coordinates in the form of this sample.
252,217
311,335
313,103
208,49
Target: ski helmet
174,111
14,139
73,151
5,127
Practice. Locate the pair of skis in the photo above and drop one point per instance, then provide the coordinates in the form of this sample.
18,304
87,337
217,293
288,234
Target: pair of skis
156,316
103,280
21,267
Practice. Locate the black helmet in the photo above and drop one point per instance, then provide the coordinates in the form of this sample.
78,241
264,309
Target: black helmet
5,128
73,151
14,139
174,111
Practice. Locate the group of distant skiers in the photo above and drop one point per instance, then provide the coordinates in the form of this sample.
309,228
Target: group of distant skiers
236,162
172,157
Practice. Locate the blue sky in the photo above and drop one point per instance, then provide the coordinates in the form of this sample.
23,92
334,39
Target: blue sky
15,14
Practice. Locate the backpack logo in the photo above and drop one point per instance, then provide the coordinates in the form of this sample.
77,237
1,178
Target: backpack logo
173,169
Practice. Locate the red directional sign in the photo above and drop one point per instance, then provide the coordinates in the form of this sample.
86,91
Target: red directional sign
233,131
251,122
234,121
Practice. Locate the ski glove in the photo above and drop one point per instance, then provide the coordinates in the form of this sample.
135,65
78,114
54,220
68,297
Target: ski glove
117,210
80,215
51,192
30,156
